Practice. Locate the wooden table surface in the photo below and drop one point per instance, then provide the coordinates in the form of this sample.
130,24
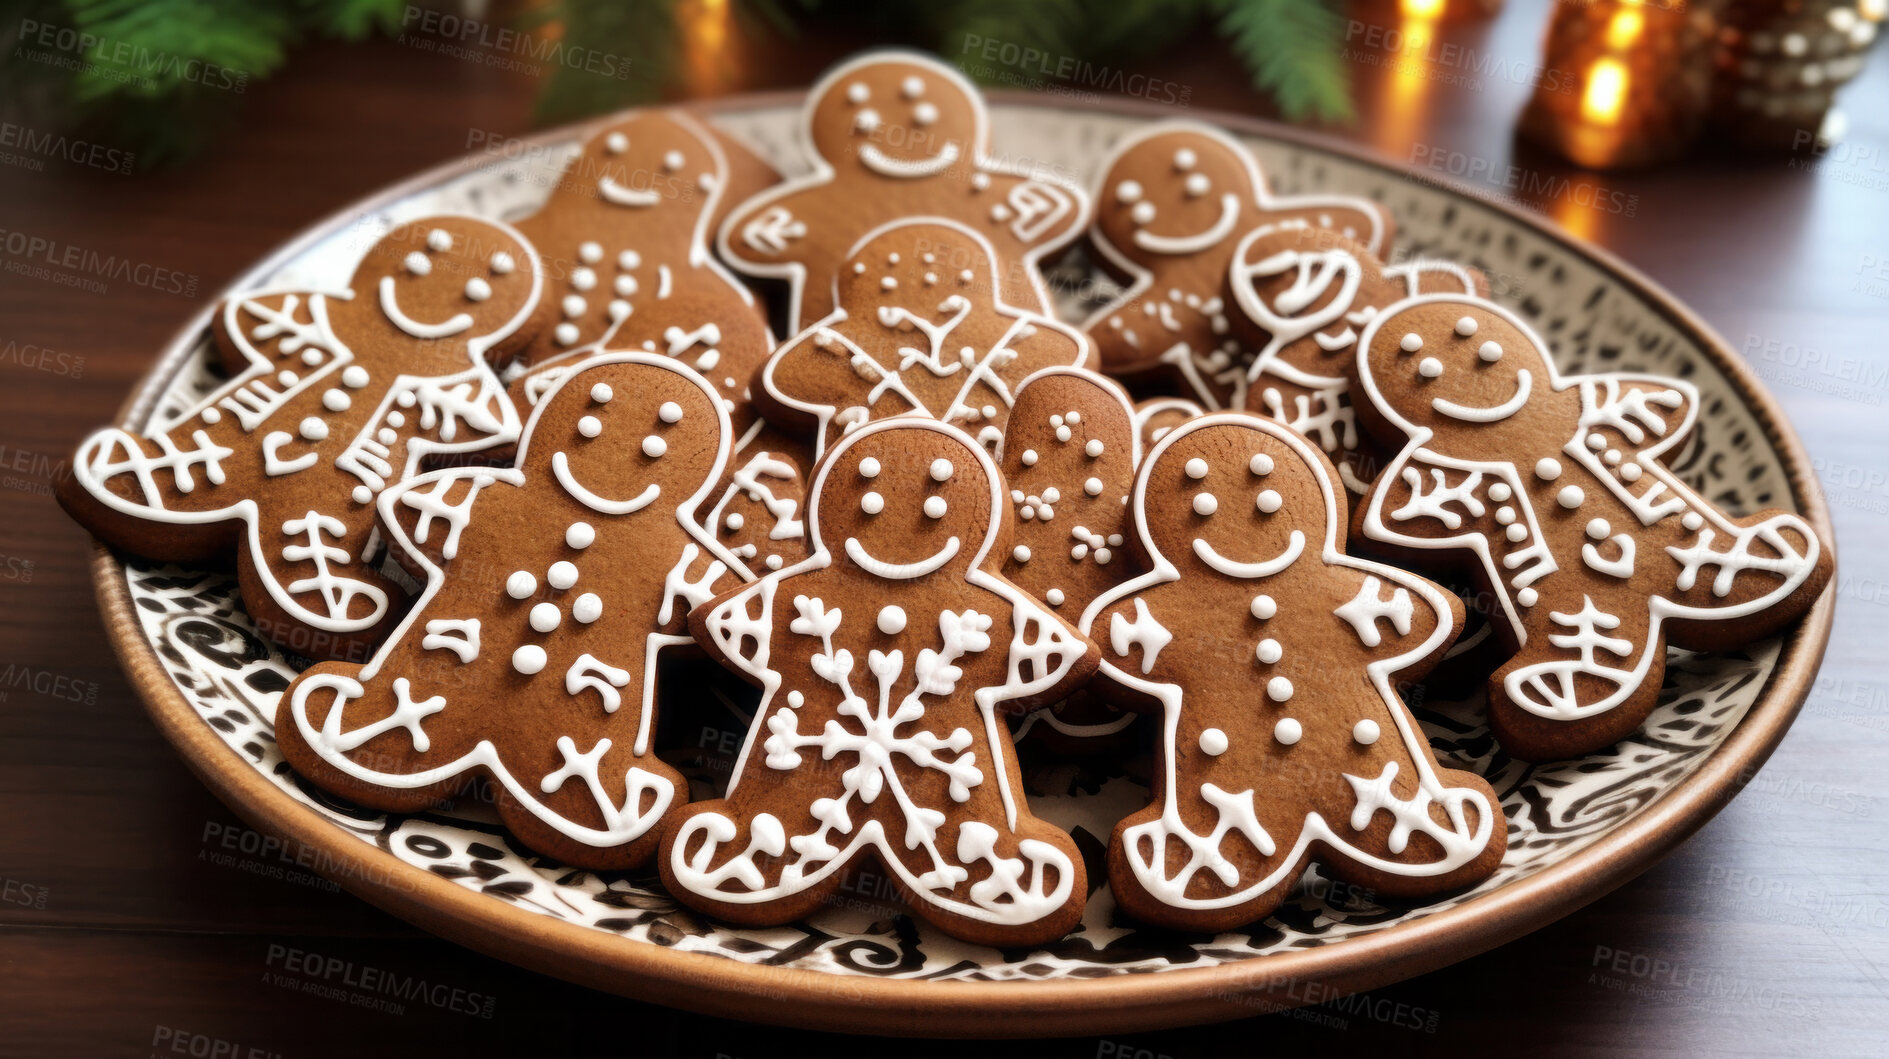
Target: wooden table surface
121,933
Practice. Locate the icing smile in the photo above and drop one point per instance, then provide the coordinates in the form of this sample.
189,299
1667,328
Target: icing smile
1188,244
619,195
561,466
1494,413
1263,568
390,305
877,162
865,560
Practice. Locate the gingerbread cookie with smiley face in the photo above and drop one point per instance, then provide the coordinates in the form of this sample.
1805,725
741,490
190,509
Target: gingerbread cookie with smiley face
921,329
552,588
1553,490
893,135
1310,290
333,396
1267,655
1172,204
886,662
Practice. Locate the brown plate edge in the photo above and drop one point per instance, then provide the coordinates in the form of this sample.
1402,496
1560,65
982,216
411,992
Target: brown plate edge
1124,1003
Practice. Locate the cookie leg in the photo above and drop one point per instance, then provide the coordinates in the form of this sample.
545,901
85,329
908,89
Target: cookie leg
1415,831
992,884
1761,575
1165,870
367,740
1586,677
738,859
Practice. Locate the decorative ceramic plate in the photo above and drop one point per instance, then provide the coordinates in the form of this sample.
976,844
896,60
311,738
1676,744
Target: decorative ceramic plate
1578,828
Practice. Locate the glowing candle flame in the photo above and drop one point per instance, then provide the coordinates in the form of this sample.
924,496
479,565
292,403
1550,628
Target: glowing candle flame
1606,91
1624,28
1424,9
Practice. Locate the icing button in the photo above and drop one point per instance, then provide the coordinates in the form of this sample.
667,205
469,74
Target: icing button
1365,732
1213,742
1288,731
528,659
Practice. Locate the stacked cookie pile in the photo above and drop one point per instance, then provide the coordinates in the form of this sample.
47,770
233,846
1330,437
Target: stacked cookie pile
508,468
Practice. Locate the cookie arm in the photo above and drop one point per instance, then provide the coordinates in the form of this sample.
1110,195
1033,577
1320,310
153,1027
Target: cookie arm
1398,617
1130,640
1643,413
1048,658
425,516
1421,504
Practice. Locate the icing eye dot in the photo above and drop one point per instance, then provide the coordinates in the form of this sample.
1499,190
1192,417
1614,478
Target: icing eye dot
501,263
477,290
670,412
1430,367
912,87
872,503
866,120
1466,326
1264,607
313,429
1260,463
601,393
1598,528
1288,731
1527,597
545,617
588,608
941,470
1185,158
1213,742
672,160
580,535
1500,491
616,143
1205,504
1197,184
857,92
869,468
1365,732
1196,468
528,659
1268,651
1571,496
891,620
1411,342
1547,469
934,507
362,494
1142,213
439,239
654,447
418,264
1490,352
1093,448
1029,457
562,575
1093,487
1268,501
521,584
590,426
1128,191
925,113
1279,689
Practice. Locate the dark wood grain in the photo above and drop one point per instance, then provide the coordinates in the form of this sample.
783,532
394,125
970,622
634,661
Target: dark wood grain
1767,932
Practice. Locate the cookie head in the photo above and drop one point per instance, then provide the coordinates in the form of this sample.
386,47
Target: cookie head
896,116
1228,495
626,430
446,278
1175,192
1444,363
1292,276
905,498
646,162
932,270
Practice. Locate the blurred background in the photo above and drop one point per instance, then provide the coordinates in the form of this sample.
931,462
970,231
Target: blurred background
1736,152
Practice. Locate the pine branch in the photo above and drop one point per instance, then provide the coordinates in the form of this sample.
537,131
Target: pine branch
1292,50
639,35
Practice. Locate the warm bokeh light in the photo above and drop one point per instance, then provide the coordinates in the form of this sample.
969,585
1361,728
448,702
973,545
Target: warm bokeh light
1425,9
706,45
1406,89
1624,28
1606,91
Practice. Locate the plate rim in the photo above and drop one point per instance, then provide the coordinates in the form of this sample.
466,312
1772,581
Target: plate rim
905,1007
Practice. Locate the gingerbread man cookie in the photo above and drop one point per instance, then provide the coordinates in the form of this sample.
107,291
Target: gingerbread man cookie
1069,455
893,135
551,589
1310,290
921,328
1268,654
1553,488
333,396
884,661
1173,202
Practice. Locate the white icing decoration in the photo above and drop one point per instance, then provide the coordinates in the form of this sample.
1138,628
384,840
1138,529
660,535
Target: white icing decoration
529,659
587,608
460,636
580,535
1288,731
1213,742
